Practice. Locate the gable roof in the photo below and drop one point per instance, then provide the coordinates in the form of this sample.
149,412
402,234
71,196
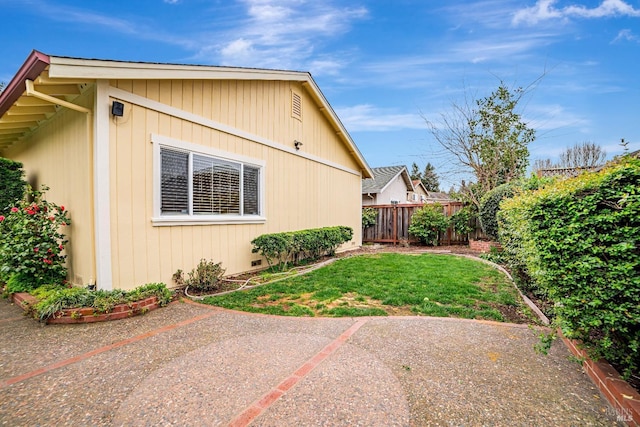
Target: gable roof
63,78
438,196
417,184
383,176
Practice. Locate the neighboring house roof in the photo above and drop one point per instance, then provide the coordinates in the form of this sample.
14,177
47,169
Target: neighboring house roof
438,196
383,176
418,185
61,78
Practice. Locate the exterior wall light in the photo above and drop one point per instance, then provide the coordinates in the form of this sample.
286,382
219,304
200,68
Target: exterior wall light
117,109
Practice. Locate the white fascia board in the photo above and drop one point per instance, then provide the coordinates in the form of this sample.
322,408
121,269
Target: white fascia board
342,131
101,69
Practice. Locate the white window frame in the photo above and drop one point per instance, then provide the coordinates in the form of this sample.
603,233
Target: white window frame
158,219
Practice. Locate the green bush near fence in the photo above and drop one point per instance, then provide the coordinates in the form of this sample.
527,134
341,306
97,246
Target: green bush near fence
281,249
577,242
428,222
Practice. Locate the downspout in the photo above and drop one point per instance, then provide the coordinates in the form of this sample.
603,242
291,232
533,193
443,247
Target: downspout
52,99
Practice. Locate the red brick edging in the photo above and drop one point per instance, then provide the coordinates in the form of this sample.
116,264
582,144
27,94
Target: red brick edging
89,315
624,398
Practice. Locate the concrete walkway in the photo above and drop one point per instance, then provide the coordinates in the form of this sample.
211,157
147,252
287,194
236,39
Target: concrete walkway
194,365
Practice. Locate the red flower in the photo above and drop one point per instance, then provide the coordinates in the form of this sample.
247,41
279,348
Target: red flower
30,212
61,208
52,218
49,251
60,247
1,218
14,210
36,250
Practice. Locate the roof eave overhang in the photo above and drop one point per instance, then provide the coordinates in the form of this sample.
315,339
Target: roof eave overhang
30,70
77,68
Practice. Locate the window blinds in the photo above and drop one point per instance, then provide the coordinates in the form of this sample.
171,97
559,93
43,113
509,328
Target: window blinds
217,186
174,182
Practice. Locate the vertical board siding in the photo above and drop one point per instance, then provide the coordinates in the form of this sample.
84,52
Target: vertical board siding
59,155
299,193
392,225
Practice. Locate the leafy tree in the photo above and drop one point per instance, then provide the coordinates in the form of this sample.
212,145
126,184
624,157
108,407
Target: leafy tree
488,139
430,178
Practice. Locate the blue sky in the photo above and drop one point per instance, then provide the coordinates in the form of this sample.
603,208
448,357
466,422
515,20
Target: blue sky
383,66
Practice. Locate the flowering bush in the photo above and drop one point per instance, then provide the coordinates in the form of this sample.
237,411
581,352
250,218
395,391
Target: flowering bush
31,243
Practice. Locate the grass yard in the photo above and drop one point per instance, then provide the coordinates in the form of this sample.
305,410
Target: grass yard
388,284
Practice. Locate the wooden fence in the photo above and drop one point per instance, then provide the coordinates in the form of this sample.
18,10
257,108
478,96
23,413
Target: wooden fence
392,225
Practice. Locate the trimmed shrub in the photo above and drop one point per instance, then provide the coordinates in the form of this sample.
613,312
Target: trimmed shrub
205,277
296,246
369,217
578,243
461,221
489,207
427,222
12,184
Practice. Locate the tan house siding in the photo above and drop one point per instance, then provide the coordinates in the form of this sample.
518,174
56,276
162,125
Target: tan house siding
297,188
105,168
58,155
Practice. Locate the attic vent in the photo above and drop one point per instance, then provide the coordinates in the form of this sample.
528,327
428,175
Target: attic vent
296,106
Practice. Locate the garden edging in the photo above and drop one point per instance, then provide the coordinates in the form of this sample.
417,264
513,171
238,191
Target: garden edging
89,315
621,396
624,398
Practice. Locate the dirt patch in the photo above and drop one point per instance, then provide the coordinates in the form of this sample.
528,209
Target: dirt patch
513,314
412,249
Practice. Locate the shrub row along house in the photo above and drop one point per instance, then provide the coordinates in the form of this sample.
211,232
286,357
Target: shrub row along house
161,165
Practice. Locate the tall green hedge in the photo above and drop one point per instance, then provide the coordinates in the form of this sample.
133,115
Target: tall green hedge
578,243
295,246
12,184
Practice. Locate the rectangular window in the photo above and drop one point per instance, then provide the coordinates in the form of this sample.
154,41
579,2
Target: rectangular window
199,187
174,182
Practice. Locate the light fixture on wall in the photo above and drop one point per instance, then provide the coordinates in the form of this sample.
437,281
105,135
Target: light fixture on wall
117,109
297,144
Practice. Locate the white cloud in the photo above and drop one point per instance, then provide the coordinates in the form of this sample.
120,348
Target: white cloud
365,117
626,35
87,18
544,10
605,9
284,34
171,1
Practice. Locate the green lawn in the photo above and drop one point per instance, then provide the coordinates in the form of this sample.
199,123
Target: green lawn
388,284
